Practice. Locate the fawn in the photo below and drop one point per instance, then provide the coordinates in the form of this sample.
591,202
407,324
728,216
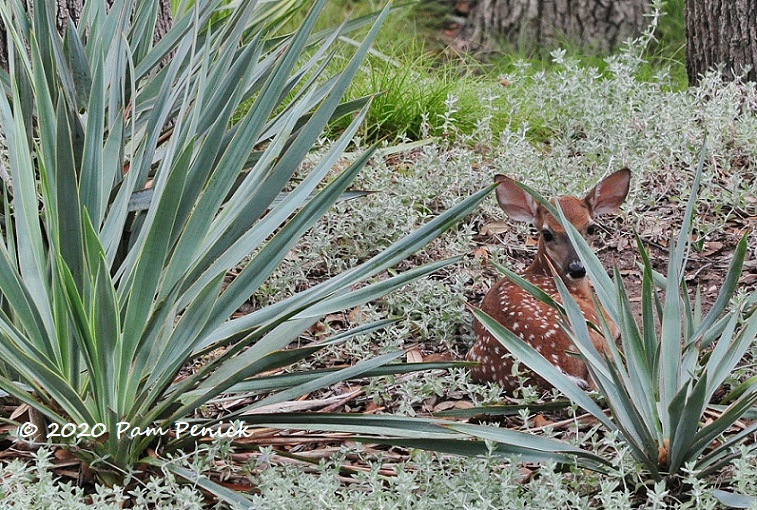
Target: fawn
533,321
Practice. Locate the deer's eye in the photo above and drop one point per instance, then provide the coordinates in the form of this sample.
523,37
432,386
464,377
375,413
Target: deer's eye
547,235
592,230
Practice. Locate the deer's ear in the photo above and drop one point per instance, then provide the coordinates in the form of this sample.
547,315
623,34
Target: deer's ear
608,195
517,204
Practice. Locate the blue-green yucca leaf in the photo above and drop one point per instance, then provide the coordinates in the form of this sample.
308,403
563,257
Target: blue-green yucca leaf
76,60
108,26
46,34
352,298
218,87
60,64
671,370
314,126
28,315
685,411
728,350
723,453
103,312
52,388
306,216
642,434
650,303
271,17
614,382
248,280
324,381
434,434
253,120
204,150
533,448
726,291
536,362
143,24
345,108
182,26
111,221
314,67
682,244
529,287
501,409
722,366
31,396
171,351
144,263
239,327
273,341
225,494
84,337
272,361
145,280
17,25
580,333
274,382
633,416
373,424
29,242
147,123
231,237
263,355
747,385
96,175
141,200
733,500
67,230
282,381
637,378
515,451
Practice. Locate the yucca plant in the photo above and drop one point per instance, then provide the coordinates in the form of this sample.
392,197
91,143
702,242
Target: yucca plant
130,195
663,377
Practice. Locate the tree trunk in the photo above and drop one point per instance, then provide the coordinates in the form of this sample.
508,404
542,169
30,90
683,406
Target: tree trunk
532,25
721,33
72,9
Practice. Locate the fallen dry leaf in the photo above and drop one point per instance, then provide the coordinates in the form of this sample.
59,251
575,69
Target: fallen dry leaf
494,228
540,421
444,406
438,357
414,356
481,253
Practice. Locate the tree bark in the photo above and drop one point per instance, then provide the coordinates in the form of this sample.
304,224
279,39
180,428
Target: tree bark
71,9
721,33
532,25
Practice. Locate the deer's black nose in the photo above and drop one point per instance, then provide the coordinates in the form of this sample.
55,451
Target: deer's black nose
576,270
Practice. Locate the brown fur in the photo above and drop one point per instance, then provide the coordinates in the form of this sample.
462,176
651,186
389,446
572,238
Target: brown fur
533,321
